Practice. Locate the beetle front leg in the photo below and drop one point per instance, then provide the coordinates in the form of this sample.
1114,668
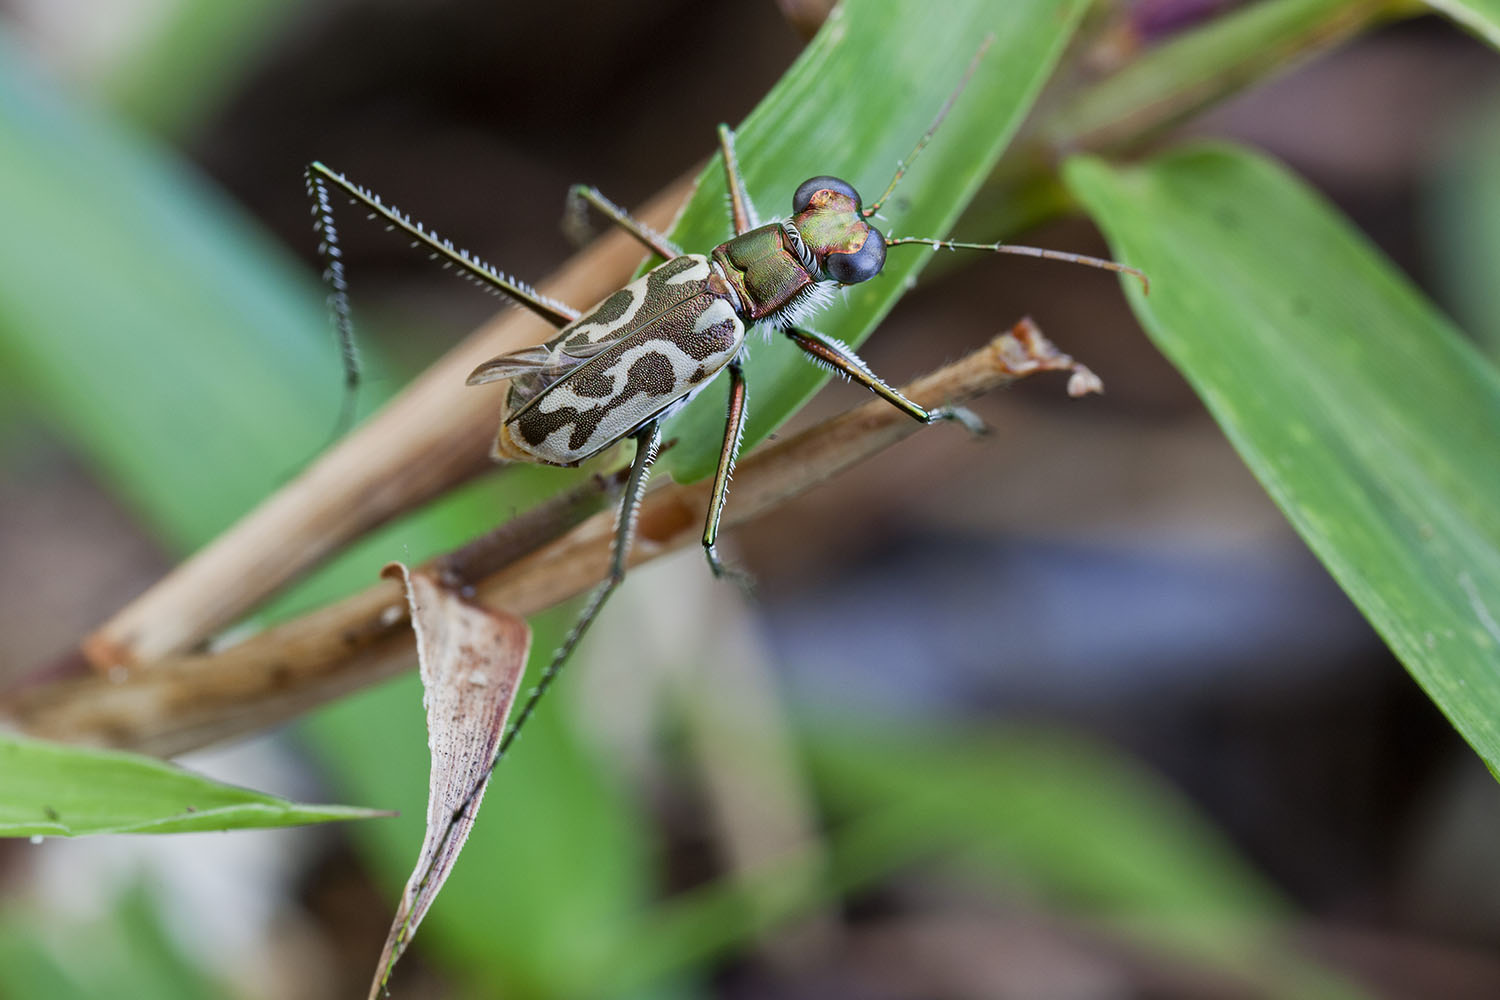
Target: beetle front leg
647,441
835,356
575,221
741,210
734,427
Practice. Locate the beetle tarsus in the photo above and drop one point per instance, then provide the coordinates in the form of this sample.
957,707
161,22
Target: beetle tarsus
961,415
575,221
576,227
722,571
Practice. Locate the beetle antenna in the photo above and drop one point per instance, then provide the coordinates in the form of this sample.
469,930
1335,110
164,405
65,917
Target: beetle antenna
338,299
1022,251
902,165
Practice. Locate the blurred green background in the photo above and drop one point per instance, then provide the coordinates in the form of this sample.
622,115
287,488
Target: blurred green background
1074,715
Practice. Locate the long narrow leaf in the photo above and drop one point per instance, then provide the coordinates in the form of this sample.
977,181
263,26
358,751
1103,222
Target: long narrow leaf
50,790
1071,821
145,317
853,105
1373,423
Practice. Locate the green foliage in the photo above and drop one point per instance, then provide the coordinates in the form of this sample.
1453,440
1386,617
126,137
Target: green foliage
1191,70
129,954
1368,418
902,62
210,42
1047,814
1037,812
47,789
1353,400
131,297
1072,816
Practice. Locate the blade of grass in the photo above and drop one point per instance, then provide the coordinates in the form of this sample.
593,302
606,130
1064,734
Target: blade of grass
471,661
1372,422
853,105
51,790
129,953
143,316
210,42
1071,821
1051,814
1158,88
1202,66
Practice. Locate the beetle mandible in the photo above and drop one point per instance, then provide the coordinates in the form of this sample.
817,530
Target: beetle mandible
619,370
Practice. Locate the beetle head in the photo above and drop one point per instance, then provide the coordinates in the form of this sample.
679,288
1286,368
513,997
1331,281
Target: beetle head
846,247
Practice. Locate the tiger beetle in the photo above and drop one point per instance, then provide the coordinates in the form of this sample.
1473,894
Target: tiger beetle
621,369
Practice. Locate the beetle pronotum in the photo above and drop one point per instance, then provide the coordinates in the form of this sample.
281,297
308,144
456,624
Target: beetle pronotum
623,367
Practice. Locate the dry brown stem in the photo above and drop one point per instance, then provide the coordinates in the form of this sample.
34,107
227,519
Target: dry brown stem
425,441
181,702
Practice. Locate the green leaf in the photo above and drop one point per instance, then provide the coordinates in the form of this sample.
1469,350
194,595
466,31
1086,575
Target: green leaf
1157,88
1056,810
853,105
213,43
1062,818
129,954
144,316
1059,817
1371,421
1480,16
1201,66
51,790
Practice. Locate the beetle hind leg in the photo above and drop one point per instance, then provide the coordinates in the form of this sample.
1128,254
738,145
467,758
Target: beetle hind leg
647,441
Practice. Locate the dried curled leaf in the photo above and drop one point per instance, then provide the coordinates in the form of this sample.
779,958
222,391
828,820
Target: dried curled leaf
471,660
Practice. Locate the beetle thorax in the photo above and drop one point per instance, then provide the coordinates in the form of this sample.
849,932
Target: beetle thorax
768,269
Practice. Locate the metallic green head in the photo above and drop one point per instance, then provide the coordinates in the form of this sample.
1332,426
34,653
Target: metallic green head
828,217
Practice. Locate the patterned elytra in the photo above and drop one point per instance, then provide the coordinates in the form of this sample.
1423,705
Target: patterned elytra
649,346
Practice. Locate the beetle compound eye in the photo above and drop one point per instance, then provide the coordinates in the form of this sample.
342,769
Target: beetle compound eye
813,185
861,265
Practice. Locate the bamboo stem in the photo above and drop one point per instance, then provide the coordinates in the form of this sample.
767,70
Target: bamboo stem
181,702
427,440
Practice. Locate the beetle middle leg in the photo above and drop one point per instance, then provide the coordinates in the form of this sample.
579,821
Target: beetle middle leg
840,359
734,428
647,442
575,220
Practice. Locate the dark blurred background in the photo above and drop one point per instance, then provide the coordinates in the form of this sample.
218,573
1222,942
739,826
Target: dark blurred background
1106,565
